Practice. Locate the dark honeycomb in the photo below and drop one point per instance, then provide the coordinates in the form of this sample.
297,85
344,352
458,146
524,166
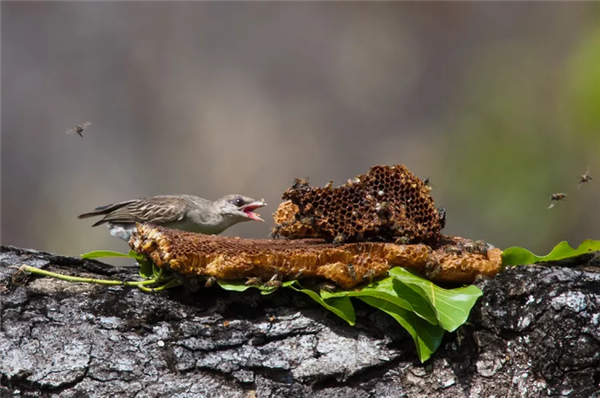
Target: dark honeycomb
388,203
348,265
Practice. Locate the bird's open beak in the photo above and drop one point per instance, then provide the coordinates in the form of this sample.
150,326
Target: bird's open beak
249,209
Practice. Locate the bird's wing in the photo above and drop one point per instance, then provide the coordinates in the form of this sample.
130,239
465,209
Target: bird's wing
157,209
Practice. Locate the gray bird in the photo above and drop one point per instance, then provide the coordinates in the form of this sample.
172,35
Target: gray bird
184,212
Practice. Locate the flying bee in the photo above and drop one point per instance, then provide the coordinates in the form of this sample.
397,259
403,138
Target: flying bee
585,177
79,128
558,196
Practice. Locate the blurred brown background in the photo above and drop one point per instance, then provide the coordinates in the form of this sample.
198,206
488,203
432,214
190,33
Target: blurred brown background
499,103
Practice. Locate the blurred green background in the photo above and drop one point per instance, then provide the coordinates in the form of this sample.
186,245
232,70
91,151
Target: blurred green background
498,103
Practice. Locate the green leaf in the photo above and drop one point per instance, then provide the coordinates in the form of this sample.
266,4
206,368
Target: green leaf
341,306
452,306
391,290
157,272
146,269
106,253
520,256
136,255
233,286
240,286
427,337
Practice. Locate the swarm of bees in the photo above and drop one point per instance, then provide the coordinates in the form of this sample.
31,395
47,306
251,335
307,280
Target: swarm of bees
558,196
79,129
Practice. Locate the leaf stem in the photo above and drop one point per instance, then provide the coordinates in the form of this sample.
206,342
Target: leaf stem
69,278
168,285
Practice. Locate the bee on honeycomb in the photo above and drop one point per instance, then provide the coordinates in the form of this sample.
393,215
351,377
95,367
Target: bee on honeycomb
387,203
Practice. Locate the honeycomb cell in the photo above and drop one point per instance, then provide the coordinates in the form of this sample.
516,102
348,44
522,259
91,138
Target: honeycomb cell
369,207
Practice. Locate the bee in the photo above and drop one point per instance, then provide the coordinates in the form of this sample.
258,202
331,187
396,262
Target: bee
432,269
427,183
275,281
300,183
383,210
328,287
79,129
298,275
276,231
253,281
210,281
480,247
351,271
558,196
369,276
451,249
442,216
402,240
340,239
585,177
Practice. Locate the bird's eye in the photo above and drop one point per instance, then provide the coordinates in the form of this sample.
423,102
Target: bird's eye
239,202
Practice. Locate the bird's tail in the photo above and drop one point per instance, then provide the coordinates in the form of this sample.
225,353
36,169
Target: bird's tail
103,210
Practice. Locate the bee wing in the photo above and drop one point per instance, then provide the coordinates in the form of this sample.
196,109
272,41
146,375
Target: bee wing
551,205
70,131
86,125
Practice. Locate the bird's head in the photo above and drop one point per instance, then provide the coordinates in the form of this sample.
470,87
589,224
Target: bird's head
238,208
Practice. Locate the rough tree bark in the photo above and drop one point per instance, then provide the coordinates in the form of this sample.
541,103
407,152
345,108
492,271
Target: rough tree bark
535,332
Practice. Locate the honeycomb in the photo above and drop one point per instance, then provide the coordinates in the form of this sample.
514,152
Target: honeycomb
347,265
388,203
289,224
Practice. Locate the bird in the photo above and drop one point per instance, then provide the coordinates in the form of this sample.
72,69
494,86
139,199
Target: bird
183,212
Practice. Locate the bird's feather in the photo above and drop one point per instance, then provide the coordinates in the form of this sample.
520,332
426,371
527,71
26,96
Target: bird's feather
157,209
106,209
